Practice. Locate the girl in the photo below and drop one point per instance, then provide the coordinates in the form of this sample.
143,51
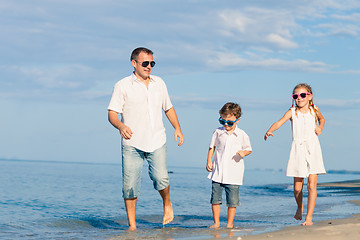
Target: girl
305,156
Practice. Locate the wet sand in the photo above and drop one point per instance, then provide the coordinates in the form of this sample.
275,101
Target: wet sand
338,229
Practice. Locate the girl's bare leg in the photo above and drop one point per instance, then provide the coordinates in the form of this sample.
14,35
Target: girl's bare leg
298,186
216,215
231,216
312,195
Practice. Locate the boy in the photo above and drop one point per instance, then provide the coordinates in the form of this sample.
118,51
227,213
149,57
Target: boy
230,145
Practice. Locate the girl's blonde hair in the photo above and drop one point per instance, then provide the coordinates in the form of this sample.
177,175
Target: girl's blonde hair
311,102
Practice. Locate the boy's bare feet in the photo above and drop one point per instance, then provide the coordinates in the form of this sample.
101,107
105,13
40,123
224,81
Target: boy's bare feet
168,214
298,214
215,225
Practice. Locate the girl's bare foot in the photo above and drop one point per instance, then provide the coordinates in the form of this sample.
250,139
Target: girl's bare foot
298,214
308,222
132,228
229,226
215,225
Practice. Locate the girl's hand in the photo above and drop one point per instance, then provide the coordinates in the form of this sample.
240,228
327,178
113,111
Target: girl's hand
209,166
267,135
241,153
318,130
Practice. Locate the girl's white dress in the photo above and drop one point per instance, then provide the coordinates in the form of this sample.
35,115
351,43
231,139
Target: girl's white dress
305,156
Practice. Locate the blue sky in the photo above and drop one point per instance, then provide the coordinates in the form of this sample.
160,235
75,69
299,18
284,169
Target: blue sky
61,59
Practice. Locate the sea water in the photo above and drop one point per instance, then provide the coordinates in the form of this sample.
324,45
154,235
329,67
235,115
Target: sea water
58,200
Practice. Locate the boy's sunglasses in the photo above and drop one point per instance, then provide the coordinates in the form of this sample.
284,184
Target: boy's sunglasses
146,63
302,95
229,123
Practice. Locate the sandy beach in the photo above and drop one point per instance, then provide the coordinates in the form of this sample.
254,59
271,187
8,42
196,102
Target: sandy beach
337,229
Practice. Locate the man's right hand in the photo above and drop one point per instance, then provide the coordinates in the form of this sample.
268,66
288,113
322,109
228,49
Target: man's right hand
125,132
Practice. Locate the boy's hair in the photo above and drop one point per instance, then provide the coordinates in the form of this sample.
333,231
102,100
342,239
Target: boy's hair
311,103
135,53
232,109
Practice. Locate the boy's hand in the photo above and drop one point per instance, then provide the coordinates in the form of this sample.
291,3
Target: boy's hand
267,135
241,153
318,130
209,166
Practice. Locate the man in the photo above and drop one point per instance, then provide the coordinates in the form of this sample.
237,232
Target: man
140,99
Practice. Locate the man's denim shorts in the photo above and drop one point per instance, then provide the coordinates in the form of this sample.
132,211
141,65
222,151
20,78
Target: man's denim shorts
231,191
132,164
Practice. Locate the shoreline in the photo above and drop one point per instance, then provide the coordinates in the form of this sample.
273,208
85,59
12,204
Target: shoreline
332,229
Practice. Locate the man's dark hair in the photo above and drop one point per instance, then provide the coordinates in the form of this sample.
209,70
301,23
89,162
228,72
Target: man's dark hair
135,53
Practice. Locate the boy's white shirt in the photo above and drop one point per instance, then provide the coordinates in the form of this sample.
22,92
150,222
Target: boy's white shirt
228,167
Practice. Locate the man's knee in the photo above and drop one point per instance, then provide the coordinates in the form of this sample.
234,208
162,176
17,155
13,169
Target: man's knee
158,168
160,183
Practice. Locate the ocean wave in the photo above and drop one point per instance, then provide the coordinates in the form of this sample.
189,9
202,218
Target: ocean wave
343,172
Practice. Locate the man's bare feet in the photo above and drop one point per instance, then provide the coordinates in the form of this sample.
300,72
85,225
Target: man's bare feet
168,214
215,225
298,214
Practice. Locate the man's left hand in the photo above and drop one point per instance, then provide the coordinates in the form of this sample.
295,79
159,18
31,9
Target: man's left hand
179,136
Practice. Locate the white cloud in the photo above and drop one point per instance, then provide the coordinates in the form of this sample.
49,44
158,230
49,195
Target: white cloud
332,29
355,17
233,61
280,41
258,103
65,76
214,102
43,39
270,28
339,103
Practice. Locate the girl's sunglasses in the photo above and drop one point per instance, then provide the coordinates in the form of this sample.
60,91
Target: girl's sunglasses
146,63
302,95
229,123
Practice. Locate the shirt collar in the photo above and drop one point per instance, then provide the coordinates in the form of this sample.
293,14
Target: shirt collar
134,78
236,132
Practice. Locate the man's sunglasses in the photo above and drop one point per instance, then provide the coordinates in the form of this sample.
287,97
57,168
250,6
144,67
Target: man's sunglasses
302,95
229,123
146,63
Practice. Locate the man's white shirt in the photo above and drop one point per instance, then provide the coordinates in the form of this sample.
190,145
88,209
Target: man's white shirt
141,110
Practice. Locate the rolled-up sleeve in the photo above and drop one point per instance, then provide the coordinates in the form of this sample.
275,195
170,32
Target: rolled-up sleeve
117,99
213,140
166,104
246,146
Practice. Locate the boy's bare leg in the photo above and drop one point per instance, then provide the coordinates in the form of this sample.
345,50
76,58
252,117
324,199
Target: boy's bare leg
298,186
312,195
231,216
130,205
216,214
168,209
